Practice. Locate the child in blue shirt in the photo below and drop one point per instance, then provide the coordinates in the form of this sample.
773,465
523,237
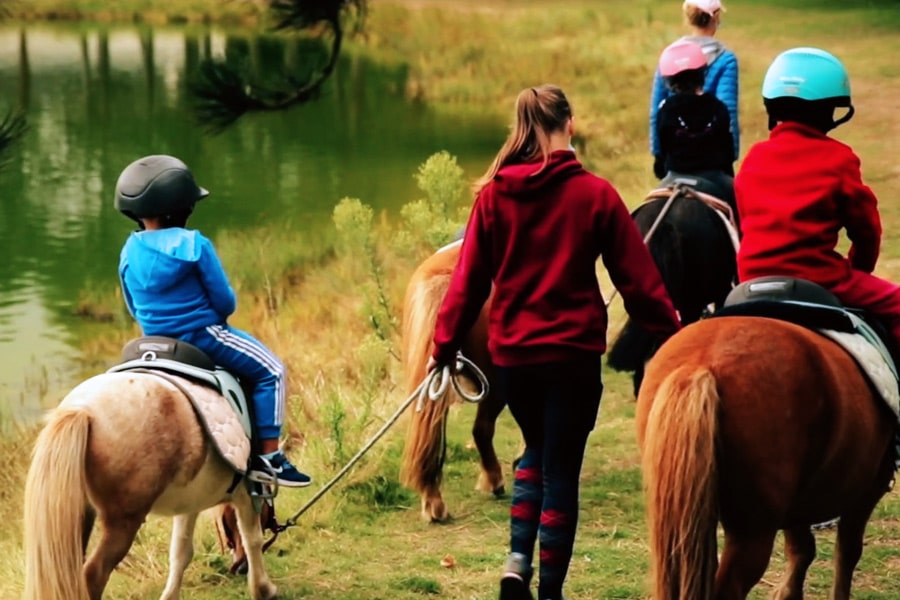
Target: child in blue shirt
174,285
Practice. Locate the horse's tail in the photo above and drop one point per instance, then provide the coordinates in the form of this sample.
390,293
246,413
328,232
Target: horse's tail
55,503
680,478
634,344
423,453
630,348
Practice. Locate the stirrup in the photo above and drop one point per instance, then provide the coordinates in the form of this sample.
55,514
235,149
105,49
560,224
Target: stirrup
262,483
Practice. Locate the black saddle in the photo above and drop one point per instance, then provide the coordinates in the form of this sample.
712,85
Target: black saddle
804,303
157,346
789,299
698,182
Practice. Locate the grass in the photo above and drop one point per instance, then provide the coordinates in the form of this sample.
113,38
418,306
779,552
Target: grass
316,304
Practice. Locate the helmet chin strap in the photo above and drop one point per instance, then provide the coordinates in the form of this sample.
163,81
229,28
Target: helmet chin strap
824,125
846,117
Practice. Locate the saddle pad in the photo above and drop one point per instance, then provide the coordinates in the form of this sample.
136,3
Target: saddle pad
219,420
873,363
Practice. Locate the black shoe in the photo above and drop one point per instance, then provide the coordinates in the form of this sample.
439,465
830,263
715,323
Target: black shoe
280,467
513,587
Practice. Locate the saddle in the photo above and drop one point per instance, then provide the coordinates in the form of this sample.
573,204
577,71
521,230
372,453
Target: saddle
808,304
224,414
698,189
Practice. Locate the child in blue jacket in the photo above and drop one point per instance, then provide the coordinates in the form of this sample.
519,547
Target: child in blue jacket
174,285
704,17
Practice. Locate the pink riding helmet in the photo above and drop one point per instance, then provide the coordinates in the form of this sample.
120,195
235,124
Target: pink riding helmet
679,56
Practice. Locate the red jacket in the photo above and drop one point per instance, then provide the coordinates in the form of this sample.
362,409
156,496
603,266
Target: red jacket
536,235
795,192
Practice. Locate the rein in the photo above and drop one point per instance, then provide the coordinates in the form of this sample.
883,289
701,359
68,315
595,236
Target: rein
433,388
677,190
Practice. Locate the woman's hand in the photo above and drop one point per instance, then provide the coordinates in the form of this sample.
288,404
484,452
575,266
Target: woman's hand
431,366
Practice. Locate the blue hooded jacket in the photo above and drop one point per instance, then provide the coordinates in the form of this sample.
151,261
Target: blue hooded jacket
721,81
174,282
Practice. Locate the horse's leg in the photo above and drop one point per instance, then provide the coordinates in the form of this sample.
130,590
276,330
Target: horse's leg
229,537
261,588
433,507
800,551
745,557
181,551
847,551
118,535
491,477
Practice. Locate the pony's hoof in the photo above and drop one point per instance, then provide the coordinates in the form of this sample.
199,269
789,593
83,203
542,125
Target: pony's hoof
267,591
239,566
435,511
499,491
491,483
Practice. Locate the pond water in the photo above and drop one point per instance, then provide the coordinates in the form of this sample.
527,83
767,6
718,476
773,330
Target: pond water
96,99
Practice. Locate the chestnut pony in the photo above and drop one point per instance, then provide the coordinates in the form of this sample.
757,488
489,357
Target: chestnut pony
425,447
118,447
760,425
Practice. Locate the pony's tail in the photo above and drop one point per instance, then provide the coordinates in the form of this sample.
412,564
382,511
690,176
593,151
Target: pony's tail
55,502
631,348
680,477
423,453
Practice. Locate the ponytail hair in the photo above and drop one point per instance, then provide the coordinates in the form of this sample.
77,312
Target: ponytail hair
697,17
540,111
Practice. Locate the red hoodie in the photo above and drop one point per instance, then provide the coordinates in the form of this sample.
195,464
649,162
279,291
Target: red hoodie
795,192
536,235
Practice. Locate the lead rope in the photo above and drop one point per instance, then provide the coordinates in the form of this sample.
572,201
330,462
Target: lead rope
433,388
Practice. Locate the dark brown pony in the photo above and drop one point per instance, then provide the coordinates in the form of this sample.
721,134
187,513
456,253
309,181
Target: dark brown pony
695,255
424,451
760,425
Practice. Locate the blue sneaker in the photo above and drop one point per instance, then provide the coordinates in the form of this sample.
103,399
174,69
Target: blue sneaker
278,466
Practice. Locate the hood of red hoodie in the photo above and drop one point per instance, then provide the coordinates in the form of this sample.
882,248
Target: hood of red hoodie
524,179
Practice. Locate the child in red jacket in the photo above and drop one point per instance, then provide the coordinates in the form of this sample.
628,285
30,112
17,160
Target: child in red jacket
798,189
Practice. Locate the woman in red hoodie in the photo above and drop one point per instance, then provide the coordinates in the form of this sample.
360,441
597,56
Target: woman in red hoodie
538,225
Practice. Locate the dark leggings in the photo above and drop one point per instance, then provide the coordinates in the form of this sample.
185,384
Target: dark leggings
555,406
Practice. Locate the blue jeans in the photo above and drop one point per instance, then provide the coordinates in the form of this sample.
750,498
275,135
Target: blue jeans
555,406
253,363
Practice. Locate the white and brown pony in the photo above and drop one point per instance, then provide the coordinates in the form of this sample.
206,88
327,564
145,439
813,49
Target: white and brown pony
119,447
425,448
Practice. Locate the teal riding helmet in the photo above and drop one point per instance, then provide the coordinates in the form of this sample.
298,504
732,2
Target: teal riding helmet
806,85
808,74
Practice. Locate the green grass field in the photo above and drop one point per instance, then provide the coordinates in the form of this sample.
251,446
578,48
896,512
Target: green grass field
364,540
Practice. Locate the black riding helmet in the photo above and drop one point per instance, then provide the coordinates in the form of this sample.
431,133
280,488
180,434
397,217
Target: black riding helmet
157,186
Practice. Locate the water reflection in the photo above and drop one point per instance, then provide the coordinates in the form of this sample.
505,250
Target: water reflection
97,99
